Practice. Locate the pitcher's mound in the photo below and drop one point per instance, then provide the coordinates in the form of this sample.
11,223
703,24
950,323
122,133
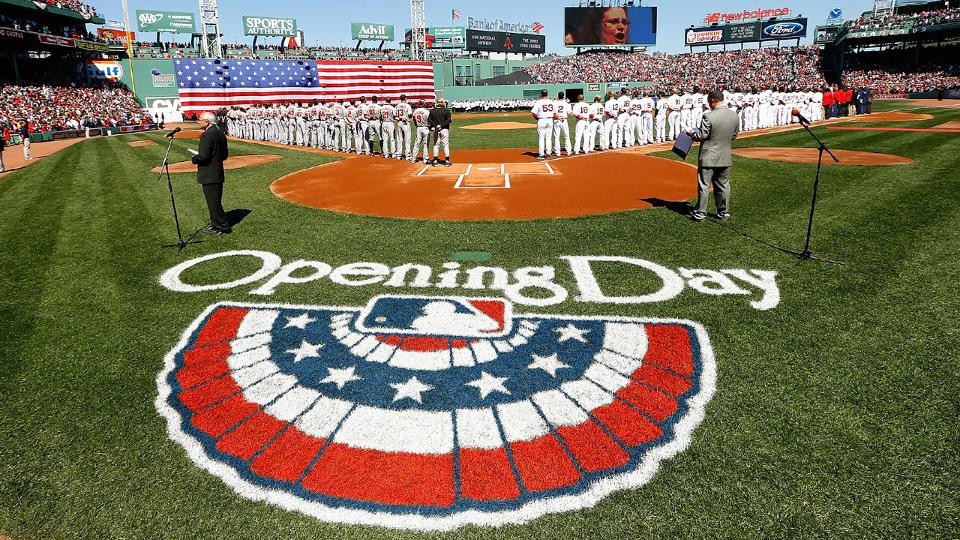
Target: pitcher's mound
236,162
809,156
137,144
502,125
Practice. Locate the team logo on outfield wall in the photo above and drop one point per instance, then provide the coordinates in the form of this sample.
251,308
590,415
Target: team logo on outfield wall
432,412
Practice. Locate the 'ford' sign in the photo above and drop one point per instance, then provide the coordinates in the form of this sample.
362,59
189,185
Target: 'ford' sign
785,30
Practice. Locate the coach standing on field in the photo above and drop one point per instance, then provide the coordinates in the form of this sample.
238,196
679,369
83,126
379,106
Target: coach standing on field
440,120
718,129
209,161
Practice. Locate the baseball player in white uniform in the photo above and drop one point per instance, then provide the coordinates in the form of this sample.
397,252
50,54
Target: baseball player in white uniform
675,104
661,120
646,106
700,107
403,113
363,123
595,113
686,112
421,117
560,124
388,129
581,113
623,119
373,124
543,111
611,110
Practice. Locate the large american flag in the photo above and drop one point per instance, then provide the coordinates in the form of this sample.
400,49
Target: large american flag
207,85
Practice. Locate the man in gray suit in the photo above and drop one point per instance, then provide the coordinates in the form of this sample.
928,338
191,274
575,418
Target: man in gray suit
717,130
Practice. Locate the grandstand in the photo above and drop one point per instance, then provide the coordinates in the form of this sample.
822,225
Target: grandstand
55,84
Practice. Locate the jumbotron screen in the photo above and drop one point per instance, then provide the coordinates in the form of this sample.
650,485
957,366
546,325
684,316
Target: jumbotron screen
610,26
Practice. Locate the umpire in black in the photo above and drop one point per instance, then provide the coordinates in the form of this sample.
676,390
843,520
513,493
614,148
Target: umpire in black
209,161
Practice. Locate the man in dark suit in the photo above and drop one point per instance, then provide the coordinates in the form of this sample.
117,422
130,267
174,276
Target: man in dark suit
209,161
717,131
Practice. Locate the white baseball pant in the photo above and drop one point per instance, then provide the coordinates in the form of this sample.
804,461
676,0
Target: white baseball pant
544,132
388,131
561,127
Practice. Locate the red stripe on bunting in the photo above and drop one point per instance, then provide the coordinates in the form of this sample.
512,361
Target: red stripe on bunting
383,477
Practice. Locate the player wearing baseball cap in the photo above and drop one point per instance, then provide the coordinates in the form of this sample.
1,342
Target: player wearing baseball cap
543,111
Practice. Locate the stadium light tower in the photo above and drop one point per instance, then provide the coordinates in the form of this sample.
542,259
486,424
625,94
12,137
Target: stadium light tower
210,29
418,31
883,7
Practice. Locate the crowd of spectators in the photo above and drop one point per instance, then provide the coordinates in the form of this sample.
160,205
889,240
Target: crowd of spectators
747,68
898,72
71,5
45,107
76,30
500,104
903,20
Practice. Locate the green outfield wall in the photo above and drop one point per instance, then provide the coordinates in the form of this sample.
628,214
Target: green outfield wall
156,88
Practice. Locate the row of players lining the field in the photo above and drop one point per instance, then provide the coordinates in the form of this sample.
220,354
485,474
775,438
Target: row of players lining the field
351,127
634,119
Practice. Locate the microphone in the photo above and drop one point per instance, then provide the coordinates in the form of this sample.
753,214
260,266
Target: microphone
800,117
178,130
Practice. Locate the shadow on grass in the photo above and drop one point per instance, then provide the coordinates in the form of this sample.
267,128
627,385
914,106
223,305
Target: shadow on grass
677,207
237,215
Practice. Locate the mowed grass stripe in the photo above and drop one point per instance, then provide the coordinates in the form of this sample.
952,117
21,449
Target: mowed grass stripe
831,415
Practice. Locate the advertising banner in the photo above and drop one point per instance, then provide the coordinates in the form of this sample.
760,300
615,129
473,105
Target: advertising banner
372,31
610,26
115,34
105,70
92,46
788,29
56,40
171,22
503,42
741,33
704,36
746,32
269,26
746,15
10,33
442,37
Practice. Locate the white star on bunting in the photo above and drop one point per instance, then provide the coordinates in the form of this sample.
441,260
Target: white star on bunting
306,350
487,384
410,389
341,377
550,364
569,332
300,322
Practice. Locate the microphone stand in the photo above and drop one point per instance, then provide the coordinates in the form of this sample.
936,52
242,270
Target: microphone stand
165,167
806,254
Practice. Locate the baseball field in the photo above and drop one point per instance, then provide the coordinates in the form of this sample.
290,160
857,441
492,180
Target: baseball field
826,394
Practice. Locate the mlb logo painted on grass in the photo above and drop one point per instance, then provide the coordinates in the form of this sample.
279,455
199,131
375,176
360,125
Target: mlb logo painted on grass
432,413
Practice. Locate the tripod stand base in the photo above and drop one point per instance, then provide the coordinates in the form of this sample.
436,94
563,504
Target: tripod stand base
182,244
807,255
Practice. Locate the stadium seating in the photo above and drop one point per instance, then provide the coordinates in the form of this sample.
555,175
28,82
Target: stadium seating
47,107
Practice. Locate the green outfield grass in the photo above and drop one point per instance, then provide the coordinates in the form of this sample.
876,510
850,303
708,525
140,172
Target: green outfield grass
836,414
